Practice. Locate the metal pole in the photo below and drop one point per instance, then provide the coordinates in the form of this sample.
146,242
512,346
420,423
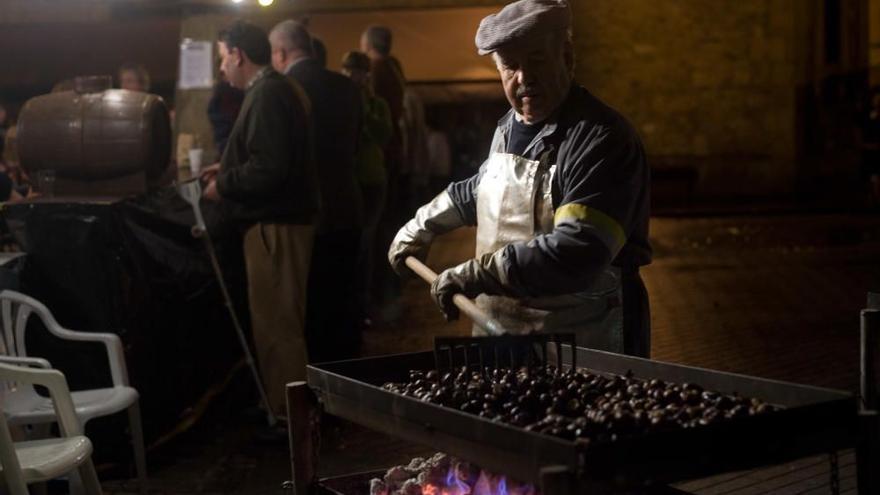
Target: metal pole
870,347
270,416
464,304
868,447
191,191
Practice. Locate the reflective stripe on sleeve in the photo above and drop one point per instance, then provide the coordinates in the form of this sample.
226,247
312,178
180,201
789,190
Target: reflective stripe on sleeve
607,228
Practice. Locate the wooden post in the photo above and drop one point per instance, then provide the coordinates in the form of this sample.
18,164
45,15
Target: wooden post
303,427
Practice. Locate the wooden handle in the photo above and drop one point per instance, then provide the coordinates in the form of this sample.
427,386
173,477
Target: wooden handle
462,303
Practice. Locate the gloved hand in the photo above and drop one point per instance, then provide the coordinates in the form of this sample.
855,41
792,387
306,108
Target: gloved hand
471,278
414,239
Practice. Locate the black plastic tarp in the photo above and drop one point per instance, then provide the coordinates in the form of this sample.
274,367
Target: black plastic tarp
131,267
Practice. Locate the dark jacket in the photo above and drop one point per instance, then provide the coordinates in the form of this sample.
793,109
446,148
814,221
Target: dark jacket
336,113
600,193
267,172
389,84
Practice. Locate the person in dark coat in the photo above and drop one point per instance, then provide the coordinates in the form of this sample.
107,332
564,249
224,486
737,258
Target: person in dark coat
266,180
389,83
331,314
375,132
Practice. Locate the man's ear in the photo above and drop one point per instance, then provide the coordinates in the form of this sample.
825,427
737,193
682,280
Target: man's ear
240,57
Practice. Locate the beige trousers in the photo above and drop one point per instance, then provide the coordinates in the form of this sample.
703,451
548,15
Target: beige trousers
277,258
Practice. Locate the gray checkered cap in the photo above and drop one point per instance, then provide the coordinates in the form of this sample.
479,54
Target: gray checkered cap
520,20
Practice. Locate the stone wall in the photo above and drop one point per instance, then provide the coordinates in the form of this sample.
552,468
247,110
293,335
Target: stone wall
708,84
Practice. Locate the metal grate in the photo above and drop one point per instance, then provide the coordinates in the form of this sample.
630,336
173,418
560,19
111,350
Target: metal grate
477,353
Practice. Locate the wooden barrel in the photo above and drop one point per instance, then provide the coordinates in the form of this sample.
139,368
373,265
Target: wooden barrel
95,136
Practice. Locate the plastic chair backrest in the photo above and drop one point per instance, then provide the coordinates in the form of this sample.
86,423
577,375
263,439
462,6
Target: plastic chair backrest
15,312
9,460
53,380
68,423
16,308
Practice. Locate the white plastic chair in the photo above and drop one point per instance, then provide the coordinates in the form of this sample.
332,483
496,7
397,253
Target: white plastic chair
25,407
22,463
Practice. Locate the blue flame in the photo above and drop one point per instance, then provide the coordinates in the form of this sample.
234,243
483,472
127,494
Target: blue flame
502,486
455,484
450,476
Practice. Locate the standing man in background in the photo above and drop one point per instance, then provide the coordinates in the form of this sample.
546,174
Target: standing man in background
375,132
331,317
389,84
266,178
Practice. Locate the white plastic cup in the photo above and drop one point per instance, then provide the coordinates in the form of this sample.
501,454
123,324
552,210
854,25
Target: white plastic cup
195,160
46,182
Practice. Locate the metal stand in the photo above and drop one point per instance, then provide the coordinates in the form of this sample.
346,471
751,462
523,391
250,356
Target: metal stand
304,435
834,473
191,192
868,448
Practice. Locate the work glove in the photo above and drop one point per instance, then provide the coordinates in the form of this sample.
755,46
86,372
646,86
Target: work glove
414,239
484,275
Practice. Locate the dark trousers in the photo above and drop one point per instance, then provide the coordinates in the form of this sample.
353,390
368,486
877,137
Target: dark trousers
372,251
636,314
331,309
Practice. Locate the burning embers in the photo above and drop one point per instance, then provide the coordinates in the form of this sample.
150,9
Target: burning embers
577,405
444,475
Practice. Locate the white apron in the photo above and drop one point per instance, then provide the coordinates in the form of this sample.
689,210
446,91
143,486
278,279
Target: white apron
514,204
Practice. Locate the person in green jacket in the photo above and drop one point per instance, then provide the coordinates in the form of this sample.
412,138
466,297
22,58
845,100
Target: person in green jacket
376,130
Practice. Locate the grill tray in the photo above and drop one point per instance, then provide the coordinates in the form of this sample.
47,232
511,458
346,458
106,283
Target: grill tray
814,421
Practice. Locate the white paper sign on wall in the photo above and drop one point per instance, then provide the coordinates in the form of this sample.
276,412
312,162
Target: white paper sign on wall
196,65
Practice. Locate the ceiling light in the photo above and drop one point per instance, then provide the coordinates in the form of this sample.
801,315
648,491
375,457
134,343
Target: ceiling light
265,3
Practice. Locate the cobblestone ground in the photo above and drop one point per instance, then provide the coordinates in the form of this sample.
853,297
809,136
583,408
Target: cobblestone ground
776,297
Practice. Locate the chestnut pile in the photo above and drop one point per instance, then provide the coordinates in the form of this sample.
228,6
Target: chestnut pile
577,405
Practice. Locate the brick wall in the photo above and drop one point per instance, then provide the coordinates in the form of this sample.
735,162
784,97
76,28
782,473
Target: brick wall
708,84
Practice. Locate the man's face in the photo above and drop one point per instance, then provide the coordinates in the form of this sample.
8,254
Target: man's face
230,65
279,54
536,75
128,79
365,45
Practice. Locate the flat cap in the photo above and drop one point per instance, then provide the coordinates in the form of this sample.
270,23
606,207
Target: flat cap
520,20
